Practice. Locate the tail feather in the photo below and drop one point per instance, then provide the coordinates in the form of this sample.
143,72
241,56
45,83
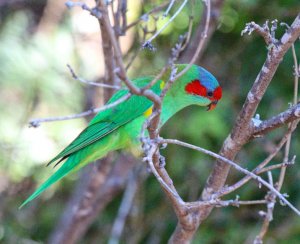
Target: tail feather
59,174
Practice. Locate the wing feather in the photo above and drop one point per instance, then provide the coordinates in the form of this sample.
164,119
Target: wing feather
109,120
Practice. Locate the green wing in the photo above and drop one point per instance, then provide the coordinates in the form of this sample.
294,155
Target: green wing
111,119
103,124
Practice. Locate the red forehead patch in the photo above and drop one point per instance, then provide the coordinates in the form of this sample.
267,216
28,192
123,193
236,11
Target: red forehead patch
218,93
195,88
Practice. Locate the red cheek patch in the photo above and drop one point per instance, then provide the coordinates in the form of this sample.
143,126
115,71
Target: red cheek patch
195,88
218,93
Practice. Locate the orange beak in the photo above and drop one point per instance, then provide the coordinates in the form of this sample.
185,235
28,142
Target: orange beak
212,105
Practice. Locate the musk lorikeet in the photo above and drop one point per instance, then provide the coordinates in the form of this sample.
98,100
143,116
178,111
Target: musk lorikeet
119,127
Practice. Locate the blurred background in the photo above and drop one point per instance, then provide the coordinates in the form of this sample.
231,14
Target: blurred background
39,38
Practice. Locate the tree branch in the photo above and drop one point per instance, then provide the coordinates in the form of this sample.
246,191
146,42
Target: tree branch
148,42
234,165
271,197
90,82
292,114
37,122
243,128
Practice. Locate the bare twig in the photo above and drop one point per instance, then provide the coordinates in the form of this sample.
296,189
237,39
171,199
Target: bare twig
295,99
90,82
263,31
236,166
148,42
169,8
37,122
296,75
276,166
228,189
161,179
268,216
188,34
222,203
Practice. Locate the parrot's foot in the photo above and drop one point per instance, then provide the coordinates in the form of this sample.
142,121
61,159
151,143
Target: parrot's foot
162,161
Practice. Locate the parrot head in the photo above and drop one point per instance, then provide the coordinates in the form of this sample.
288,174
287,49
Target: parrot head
202,88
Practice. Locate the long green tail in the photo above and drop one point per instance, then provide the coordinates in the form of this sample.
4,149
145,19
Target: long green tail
59,174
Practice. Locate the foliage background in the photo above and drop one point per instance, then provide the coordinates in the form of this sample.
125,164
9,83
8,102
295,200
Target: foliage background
38,39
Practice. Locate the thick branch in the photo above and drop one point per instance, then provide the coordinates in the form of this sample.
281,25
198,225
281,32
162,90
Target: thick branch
243,129
279,120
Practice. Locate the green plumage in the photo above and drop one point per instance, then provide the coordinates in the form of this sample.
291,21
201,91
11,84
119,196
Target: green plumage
119,127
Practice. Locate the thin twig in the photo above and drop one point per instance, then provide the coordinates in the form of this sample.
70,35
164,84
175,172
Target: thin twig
263,31
228,189
268,216
189,32
160,179
37,122
275,166
295,99
296,75
235,165
169,8
148,42
90,82
222,203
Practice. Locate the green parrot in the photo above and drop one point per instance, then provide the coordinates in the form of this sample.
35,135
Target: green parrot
119,127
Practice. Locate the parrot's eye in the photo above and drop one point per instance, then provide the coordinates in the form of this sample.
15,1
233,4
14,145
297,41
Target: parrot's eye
209,93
